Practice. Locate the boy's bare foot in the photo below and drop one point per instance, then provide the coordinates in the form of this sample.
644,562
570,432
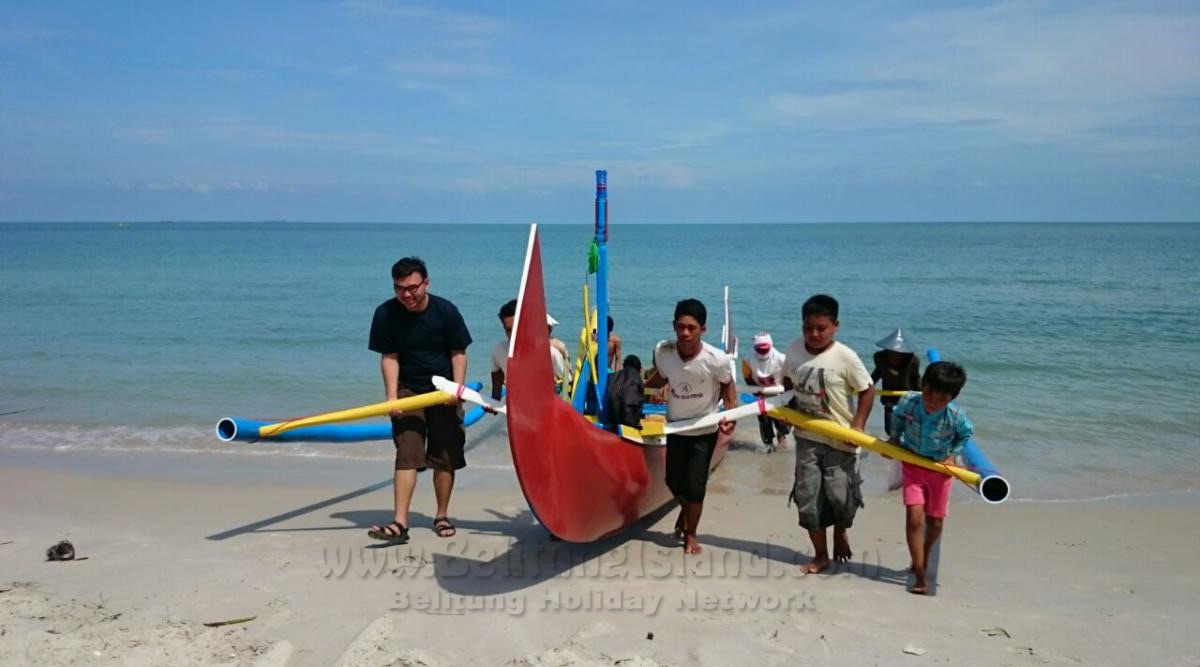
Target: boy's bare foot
921,587
690,545
841,547
815,565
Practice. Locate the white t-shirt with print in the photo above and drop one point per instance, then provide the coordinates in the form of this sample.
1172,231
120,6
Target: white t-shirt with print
695,384
826,385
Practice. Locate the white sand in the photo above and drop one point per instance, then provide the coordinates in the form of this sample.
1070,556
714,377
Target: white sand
1020,584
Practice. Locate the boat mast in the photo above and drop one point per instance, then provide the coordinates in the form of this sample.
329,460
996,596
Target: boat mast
602,291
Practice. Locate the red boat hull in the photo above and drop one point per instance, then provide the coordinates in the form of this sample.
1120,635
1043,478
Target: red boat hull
582,482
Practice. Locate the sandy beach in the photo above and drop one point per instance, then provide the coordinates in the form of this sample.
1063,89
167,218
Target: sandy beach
1018,584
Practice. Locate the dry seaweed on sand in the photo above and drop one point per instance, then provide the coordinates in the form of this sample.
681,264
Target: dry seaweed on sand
235,621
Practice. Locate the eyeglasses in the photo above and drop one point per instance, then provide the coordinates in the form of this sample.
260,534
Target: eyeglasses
408,289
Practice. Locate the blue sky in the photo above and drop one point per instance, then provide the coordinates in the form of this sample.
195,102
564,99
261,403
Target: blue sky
379,110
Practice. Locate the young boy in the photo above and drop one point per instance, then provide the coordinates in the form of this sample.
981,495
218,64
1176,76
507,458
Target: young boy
929,425
698,375
826,376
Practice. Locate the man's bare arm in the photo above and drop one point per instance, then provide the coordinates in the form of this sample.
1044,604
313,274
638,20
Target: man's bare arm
655,381
389,368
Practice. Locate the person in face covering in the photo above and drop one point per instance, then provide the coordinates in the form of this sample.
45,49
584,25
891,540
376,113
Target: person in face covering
898,369
764,368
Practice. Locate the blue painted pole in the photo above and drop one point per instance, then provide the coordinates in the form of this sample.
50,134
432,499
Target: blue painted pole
231,429
602,292
994,487
238,429
476,413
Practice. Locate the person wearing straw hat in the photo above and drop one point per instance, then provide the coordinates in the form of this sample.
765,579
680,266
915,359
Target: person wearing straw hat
899,369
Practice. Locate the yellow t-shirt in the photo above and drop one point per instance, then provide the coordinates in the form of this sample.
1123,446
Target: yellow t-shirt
826,385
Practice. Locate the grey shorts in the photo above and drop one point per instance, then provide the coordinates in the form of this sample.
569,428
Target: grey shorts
828,488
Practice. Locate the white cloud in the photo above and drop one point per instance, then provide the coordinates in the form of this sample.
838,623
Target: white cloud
11,36
668,175
231,75
441,68
202,187
547,177
701,134
1091,52
39,45
309,67
461,23
1036,70
144,134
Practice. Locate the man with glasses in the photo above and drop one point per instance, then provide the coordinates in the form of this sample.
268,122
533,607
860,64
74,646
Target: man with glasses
419,335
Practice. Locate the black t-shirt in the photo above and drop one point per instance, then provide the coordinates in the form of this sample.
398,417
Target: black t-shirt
422,340
906,376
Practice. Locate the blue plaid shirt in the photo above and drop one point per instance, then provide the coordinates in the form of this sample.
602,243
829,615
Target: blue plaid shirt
933,436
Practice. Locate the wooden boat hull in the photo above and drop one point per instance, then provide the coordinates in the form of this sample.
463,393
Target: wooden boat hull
582,482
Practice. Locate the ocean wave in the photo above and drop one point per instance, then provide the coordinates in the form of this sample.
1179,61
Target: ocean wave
195,440
52,437
1125,495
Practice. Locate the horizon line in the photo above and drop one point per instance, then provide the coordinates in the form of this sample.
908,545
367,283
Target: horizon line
629,223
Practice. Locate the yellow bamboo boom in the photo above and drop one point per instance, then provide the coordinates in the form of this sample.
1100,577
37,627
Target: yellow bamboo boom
374,410
993,489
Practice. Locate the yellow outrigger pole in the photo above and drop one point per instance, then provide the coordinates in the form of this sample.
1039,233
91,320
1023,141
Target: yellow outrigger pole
373,410
992,488
587,346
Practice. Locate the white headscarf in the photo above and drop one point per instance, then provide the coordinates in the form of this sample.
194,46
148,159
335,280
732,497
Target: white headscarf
766,369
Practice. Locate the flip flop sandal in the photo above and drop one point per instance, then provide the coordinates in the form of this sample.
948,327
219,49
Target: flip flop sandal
393,532
442,524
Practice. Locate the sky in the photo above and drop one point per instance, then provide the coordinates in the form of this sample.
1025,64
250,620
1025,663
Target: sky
704,112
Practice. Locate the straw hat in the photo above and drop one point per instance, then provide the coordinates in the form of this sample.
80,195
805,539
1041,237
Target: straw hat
895,342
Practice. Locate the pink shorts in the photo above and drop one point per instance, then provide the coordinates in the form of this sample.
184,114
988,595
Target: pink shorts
928,488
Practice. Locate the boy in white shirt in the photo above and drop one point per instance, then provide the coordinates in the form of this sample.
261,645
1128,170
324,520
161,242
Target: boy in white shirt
825,376
698,376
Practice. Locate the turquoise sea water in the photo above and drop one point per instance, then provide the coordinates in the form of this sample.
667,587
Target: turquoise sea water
1080,340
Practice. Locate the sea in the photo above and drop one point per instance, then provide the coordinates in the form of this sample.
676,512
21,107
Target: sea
122,344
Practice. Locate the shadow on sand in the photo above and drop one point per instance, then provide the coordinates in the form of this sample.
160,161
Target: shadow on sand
528,555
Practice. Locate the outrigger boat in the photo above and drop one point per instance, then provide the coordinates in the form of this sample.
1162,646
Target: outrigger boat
583,482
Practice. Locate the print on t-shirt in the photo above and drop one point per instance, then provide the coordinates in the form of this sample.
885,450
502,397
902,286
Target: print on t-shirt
811,391
686,392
